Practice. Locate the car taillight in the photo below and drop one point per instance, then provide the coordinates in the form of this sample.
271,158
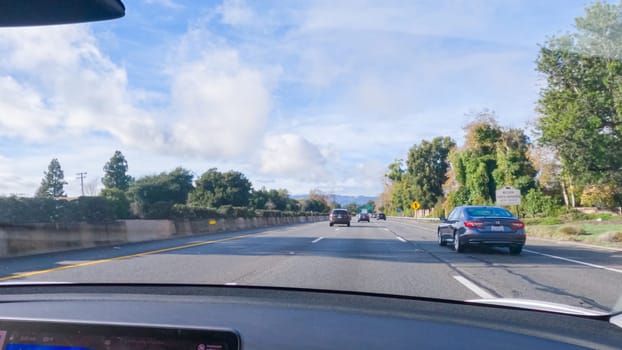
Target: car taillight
517,225
474,224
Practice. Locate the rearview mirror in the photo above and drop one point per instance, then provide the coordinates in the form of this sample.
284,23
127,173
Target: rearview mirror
15,13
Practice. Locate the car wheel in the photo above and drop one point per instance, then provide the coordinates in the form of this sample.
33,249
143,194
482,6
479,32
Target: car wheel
348,224
331,224
441,241
516,250
457,246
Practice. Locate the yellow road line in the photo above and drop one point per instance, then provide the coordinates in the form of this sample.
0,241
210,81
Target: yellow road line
94,262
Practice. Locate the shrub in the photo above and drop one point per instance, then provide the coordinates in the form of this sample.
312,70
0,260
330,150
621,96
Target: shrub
183,211
118,201
90,209
569,230
612,236
535,203
242,212
268,213
158,210
15,210
603,196
225,211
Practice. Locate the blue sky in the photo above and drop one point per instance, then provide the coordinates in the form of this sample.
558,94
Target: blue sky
297,95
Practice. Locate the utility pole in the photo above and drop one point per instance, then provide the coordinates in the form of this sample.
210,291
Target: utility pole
81,176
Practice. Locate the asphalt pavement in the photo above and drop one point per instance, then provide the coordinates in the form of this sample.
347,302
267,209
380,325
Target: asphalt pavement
396,256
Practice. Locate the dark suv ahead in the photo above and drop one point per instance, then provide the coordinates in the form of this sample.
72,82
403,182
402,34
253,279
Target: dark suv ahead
339,216
363,217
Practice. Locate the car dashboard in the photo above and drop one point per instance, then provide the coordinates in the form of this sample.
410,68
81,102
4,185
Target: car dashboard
59,317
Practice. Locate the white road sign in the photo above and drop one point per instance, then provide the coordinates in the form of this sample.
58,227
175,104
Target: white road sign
508,196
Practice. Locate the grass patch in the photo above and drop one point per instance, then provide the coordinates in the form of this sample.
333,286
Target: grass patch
609,234
543,221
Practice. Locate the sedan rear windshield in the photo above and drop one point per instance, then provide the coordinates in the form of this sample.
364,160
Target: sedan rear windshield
488,212
340,211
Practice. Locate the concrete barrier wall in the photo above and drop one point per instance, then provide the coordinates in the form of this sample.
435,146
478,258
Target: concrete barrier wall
17,240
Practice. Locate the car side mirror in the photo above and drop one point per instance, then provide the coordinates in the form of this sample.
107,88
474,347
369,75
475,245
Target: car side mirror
442,218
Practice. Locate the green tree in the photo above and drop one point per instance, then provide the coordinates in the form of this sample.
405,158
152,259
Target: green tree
403,194
514,168
214,189
396,170
352,208
475,163
156,194
273,200
315,205
318,202
427,164
581,104
115,172
53,181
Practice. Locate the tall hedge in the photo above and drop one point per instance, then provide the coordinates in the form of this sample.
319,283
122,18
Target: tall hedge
14,210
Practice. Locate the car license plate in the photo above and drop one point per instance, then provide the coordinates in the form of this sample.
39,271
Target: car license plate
339,216
497,228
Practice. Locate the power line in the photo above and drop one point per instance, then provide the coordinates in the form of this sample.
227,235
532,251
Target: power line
81,176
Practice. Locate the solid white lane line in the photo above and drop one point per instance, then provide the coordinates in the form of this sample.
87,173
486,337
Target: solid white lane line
474,288
317,239
574,261
567,243
231,284
401,239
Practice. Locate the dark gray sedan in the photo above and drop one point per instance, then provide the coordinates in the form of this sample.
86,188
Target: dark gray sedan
482,226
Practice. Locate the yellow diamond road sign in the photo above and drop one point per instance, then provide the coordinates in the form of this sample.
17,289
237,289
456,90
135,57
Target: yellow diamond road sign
415,205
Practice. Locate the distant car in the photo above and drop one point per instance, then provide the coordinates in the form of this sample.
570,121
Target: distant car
363,217
339,216
381,216
482,226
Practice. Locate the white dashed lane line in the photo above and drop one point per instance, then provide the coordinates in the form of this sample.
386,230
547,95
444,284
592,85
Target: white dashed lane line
317,239
474,288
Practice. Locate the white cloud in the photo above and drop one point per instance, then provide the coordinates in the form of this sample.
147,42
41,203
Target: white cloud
236,12
221,105
20,108
68,88
294,156
12,183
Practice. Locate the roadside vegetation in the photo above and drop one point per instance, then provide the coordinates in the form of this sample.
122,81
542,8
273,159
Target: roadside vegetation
568,158
168,195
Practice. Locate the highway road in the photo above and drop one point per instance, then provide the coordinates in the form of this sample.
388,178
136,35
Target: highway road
397,256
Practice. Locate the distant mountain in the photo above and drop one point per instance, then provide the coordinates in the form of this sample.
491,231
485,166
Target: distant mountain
343,200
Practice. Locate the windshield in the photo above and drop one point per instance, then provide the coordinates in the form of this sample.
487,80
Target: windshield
488,212
208,142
